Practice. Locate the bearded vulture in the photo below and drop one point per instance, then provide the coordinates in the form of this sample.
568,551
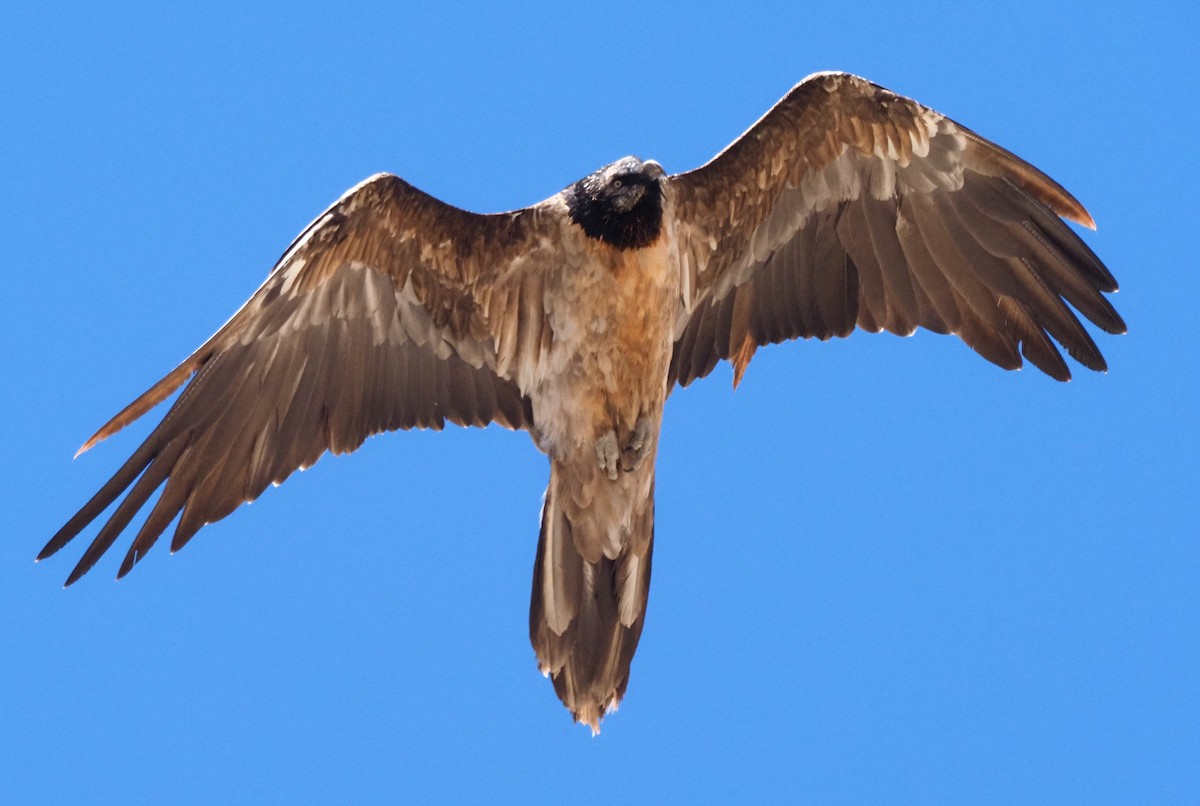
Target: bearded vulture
846,206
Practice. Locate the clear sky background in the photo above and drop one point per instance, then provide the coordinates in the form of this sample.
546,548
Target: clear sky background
885,569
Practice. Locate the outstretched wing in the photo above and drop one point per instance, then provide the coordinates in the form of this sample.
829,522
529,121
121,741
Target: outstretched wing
391,310
847,205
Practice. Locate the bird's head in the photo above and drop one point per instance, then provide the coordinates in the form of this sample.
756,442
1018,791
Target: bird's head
624,183
620,204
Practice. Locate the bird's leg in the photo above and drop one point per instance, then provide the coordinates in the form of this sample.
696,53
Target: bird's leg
613,458
608,454
635,451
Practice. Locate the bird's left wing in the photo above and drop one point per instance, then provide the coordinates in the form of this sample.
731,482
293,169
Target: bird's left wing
391,310
849,206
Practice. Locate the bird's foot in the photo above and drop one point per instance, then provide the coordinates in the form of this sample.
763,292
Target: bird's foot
614,458
639,445
608,454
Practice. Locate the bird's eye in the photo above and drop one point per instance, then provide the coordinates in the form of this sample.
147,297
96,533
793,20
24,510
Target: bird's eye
617,183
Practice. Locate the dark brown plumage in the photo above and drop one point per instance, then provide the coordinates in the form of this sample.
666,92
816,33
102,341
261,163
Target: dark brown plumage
844,207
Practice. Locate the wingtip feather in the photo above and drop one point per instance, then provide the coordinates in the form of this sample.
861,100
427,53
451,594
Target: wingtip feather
999,161
147,400
87,446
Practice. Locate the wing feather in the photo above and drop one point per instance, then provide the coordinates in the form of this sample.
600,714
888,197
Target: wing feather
854,231
847,205
374,319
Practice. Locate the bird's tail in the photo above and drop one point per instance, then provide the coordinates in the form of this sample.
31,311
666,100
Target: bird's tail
585,617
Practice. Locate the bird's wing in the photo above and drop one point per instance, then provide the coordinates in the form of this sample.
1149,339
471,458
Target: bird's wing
391,310
847,205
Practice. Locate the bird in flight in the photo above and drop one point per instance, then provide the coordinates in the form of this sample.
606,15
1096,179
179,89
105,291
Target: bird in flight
845,206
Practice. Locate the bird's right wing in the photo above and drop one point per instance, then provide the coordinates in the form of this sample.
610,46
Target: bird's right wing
391,310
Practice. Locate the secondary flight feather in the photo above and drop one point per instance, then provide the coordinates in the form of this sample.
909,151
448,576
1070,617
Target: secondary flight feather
845,206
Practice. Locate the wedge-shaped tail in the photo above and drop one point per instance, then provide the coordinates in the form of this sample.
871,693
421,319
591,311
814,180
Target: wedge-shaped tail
585,618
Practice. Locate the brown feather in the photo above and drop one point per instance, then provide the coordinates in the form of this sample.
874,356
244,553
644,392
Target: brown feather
586,616
330,350
844,206
891,216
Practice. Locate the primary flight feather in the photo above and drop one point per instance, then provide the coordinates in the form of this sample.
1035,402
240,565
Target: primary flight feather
845,206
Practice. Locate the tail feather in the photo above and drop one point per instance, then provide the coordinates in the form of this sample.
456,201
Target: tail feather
585,618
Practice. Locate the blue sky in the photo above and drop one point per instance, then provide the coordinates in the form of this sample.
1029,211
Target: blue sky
885,569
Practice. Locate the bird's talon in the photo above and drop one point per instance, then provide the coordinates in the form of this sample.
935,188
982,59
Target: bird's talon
639,445
608,454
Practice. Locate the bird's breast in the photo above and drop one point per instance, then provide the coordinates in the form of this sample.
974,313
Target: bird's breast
612,325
